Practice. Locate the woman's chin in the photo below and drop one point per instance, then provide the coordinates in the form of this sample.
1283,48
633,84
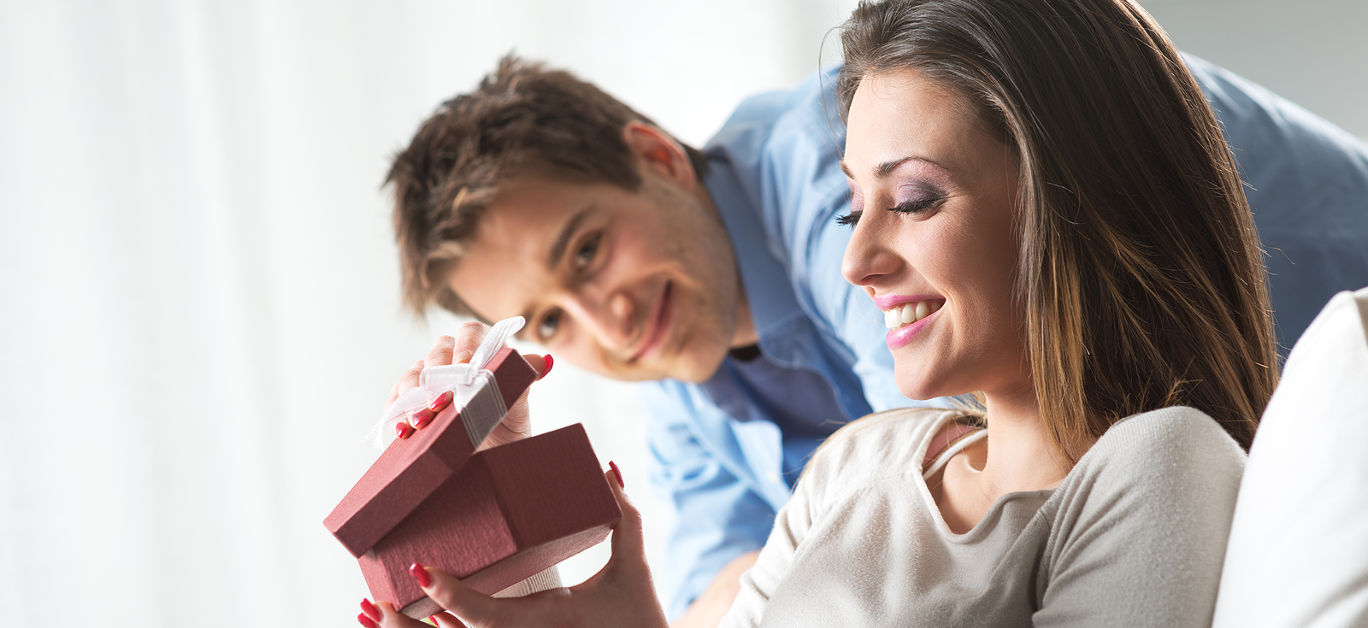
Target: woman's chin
916,386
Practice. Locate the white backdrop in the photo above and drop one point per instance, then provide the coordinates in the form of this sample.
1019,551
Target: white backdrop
201,313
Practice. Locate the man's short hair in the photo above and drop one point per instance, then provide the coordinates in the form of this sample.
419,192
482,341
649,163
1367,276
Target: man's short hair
522,122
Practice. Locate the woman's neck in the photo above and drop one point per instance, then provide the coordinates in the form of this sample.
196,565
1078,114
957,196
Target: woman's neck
1018,455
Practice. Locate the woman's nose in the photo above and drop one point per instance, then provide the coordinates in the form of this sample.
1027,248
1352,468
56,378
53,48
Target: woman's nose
867,257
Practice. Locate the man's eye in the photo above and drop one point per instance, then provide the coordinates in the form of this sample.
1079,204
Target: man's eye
546,328
587,251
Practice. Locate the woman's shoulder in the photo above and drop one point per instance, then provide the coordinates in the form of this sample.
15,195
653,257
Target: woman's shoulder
891,439
1177,431
1169,447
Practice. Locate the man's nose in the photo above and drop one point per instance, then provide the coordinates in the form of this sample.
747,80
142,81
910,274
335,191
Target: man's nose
610,315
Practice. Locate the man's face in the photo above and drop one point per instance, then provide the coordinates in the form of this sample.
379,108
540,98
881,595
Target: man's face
632,285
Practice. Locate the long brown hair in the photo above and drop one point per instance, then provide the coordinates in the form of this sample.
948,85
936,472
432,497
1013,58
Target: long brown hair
1140,275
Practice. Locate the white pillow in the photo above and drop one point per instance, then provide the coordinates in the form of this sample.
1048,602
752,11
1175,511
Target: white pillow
1298,550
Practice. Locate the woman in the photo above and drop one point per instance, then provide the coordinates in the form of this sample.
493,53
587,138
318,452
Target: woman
1045,209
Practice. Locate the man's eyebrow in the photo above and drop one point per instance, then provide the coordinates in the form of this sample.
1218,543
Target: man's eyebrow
557,251
563,239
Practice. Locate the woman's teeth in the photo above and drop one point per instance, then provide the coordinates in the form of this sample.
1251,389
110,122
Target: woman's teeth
908,313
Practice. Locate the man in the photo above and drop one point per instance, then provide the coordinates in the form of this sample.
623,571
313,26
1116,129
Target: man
716,276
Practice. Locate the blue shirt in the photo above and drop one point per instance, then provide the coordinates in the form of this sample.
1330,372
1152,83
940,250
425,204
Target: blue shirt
724,450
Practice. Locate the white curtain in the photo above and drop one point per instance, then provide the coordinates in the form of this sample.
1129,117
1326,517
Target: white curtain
200,295
201,315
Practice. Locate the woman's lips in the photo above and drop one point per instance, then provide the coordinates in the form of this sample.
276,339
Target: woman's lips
902,335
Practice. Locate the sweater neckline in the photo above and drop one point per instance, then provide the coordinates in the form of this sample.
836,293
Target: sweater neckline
990,519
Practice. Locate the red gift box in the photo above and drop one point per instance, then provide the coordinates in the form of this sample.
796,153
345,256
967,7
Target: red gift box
492,519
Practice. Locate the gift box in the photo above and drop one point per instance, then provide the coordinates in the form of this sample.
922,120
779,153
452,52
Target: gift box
492,519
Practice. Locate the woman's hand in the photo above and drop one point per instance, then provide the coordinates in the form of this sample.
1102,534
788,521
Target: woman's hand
620,594
458,350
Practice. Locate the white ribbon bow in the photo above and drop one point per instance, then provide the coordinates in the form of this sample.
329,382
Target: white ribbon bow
464,381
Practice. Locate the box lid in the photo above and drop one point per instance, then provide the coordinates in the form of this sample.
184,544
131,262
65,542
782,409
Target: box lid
411,469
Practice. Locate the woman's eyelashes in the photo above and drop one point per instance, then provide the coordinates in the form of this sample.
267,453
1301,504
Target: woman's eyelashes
920,204
910,206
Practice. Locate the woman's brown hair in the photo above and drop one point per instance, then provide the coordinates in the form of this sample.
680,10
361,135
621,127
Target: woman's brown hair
1141,276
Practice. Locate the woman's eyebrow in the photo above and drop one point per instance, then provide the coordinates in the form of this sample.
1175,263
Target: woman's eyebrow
882,170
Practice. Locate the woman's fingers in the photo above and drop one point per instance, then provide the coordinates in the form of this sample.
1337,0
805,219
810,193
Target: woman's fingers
447,620
539,363
407,381
627,538
466,341
451,594
440,355
390,618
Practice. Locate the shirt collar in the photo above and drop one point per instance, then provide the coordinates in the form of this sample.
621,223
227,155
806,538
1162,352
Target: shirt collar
769,293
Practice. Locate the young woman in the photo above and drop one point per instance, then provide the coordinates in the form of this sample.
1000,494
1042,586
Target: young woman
1045,209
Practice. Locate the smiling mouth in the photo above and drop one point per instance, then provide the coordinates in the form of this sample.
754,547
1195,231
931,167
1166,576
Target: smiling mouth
658,325
908,313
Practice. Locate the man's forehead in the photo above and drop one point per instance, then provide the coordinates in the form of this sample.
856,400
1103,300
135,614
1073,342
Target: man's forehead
509,260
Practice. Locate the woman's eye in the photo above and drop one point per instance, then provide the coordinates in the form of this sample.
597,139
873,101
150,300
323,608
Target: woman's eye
856,207
546,328
587,251
917,205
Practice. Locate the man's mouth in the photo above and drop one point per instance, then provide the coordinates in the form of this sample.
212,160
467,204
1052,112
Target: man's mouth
657,330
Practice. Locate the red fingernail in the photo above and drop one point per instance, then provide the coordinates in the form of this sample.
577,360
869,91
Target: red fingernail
421,575
404,430
369,609
366,621
421,418
441,402
433,619
546,370
613,465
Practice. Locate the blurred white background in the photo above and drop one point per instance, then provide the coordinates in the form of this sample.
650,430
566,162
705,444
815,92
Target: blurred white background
201,315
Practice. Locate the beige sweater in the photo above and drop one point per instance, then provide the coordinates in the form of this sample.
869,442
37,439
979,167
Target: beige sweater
1134,536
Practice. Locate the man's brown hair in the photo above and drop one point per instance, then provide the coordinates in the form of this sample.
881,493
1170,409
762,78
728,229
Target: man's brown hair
523,121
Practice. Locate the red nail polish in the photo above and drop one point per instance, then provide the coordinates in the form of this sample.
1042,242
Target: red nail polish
366,621
404,430
617,473
441,402
369,609
421,575
550,361
421,418
433,619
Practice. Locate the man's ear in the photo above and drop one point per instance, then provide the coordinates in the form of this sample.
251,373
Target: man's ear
657,152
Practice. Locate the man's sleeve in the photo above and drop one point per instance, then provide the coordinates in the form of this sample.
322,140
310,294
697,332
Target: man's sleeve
718,517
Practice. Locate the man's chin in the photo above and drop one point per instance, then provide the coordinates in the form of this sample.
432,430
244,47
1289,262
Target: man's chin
693,368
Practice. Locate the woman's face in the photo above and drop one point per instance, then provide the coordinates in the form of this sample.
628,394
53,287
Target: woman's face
934,243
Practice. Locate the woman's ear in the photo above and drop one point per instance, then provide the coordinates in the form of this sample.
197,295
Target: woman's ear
657,152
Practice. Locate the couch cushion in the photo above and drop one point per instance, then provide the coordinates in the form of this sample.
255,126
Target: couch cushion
1298,549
